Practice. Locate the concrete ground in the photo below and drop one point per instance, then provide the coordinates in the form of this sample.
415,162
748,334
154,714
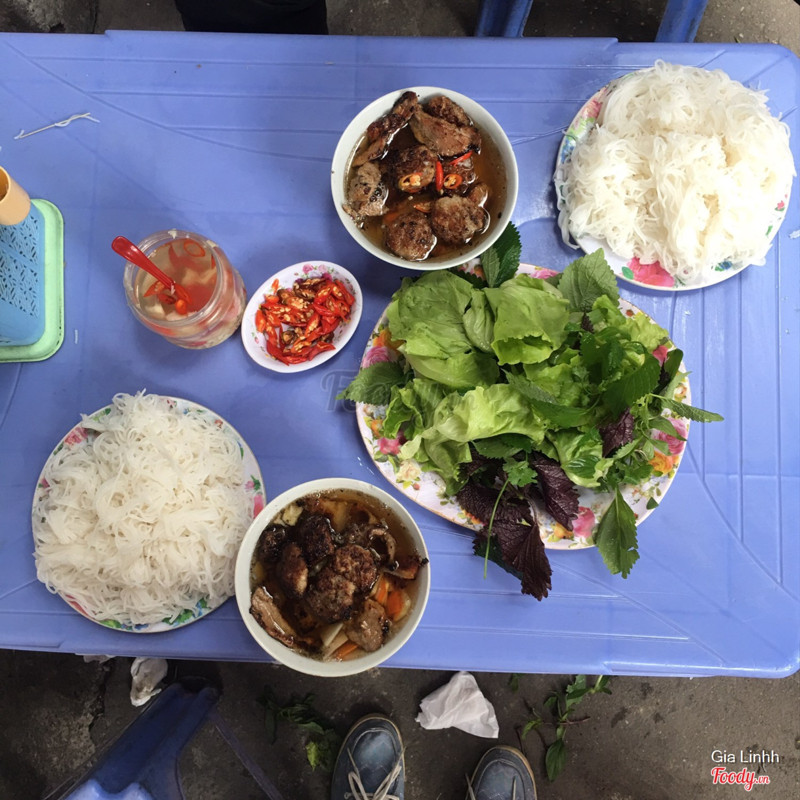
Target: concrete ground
651,739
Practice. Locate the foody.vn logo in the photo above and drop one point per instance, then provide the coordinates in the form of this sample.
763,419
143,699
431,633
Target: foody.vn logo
746,778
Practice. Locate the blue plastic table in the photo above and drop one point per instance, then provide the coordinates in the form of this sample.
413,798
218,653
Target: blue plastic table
232,136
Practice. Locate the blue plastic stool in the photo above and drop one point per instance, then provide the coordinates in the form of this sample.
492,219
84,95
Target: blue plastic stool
503,17
142,764
679,22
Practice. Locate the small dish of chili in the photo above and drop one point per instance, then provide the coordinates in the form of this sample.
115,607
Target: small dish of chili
302,316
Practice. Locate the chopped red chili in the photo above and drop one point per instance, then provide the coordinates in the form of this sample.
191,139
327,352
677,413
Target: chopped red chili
410,183
299,323
462,157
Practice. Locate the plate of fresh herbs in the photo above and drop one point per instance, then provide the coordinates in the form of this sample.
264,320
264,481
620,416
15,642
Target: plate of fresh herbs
538,409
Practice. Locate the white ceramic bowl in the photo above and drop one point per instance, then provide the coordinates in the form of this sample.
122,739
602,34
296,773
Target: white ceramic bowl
354,133
297,660
254,342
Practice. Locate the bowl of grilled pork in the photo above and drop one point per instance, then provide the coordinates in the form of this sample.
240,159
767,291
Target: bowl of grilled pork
424,178
332,577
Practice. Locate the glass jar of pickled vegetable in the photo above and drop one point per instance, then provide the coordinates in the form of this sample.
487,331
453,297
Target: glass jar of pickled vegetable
216,292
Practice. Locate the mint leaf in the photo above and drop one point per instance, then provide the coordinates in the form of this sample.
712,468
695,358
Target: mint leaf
615,536
690,412
374,383
670,369
664,424
625,391
661,446
501,261
586,279
601,356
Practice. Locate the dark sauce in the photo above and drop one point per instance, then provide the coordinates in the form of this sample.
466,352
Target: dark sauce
488,168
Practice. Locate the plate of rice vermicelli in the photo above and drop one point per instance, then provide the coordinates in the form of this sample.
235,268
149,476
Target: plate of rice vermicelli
139,511
680,174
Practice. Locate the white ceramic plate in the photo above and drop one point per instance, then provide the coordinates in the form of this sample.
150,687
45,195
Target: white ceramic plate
427,488
355,132
255,342
650,276
253,488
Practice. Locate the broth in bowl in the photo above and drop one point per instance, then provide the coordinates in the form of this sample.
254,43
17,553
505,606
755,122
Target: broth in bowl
334,575
428,183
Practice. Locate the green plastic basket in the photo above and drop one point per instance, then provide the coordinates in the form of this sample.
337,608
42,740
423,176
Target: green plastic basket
48,260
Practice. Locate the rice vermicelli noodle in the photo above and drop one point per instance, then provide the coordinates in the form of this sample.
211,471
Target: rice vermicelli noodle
142,513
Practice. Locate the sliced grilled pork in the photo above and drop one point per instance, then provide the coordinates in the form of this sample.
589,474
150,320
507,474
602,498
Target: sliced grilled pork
444,108
380,132
368,626
441,136
269,617
366,192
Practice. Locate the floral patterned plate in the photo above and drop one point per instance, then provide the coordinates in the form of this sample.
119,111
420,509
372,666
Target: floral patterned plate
427,488
651,276
253,488
254,341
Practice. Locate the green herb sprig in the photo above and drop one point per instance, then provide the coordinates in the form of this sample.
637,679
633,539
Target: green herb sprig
323,743
561,706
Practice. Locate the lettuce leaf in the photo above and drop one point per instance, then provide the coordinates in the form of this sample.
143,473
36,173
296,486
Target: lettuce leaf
637,327
427,315
484,412
412,407
530,320
566,381
459,370
479,322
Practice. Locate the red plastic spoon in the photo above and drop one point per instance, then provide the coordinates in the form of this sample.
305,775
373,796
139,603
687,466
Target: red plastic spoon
173,292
